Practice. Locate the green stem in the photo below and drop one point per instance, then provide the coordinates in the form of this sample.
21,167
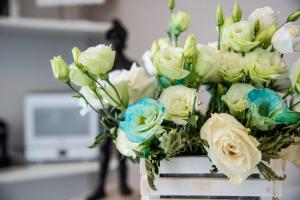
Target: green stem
295,104
219,37
82,96
103,106
101,86
287,94
116,91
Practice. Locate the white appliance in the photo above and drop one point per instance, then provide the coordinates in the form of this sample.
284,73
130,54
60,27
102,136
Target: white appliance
54,129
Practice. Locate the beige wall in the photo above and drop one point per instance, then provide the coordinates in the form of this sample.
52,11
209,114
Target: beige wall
148,19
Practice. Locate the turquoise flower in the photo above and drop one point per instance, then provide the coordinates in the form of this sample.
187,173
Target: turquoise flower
267,108
142,120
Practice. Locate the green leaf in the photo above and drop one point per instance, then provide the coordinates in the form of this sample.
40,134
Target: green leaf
150,174
98,140
268,173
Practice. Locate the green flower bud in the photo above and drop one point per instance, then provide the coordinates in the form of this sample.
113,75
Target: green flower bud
219,16
294,16
180,22
190,50
237,12
265,37
256,26
60,69
171,4
78,77
76,53
154,48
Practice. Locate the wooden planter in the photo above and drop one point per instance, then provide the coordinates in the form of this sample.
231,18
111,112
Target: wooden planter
190,178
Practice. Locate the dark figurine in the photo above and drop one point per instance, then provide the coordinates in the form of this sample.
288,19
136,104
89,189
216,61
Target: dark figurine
4,159
117,37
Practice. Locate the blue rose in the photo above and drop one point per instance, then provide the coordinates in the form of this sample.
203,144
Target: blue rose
267,108
142,120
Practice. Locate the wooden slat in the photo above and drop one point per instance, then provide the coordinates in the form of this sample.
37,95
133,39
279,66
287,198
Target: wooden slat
210,187
190,177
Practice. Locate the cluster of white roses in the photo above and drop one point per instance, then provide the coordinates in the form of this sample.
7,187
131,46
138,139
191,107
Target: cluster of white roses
154,112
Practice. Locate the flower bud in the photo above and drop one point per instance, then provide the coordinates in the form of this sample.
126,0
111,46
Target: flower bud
294,16
180,22
60,69
76,53
154,48
237,12
256,26
219,16
266,35
171,4
190,50
78,77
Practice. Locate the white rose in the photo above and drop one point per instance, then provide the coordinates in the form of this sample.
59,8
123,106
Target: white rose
169,62
125,147
266,17
231,148
179,102
97,60
286,38
91,97
239,36
140,84
208,63
231,69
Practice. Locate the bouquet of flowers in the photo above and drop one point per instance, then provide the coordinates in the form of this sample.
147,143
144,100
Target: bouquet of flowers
156,112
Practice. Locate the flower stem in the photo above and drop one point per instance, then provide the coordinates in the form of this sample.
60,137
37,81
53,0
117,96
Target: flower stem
116,91
82,96
103,106
219,37
295,104
287,94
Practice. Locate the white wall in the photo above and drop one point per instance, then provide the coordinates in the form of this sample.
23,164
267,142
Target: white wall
25,67
147,19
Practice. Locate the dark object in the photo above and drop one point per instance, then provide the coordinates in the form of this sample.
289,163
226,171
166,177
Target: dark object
117,37
4,7
4,160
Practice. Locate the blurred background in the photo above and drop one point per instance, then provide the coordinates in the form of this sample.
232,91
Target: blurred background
39,157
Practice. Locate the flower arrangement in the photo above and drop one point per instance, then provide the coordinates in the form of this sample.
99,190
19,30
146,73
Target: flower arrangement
156,112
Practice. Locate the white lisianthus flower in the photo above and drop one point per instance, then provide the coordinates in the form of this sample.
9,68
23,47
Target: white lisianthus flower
231,69
263,65
239,36
231,148
148,64
126,147
286,38
91,97
140,84
208,63
295,76
179,103
119,78
169,62
78,77
236,98
266,17
97,60
131,85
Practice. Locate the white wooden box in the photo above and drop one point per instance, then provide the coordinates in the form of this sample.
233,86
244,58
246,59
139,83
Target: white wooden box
190,178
